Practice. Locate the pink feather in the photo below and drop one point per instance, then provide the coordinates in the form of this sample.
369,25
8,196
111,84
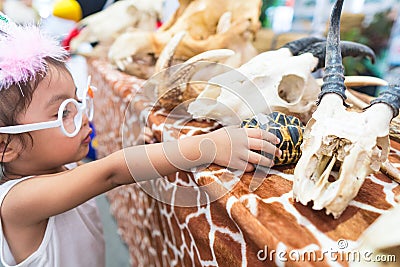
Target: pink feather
22,54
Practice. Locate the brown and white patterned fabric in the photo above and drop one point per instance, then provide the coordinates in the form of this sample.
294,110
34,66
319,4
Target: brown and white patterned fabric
242,227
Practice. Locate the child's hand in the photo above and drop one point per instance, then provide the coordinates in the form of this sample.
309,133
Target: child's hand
233,147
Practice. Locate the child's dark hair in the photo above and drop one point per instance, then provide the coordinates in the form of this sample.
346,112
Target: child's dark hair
16,99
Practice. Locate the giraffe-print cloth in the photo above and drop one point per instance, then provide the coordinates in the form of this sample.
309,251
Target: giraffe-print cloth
243,226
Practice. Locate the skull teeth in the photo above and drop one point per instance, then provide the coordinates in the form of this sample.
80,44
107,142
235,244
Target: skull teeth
120,64
129,60
324,177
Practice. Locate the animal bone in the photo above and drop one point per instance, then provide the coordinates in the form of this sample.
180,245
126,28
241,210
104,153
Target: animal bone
379,241
316,46
353,81
208,27
123,15
357,81
391,171
273,80
354,143
278,80
175,84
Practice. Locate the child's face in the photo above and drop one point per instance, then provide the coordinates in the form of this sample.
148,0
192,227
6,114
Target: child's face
51,148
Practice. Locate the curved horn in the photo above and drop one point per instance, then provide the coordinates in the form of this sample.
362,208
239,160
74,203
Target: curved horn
347,48
317,47
355,50
298,47
391,97
334,70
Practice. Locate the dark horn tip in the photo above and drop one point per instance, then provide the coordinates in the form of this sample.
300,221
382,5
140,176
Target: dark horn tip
372,59
354,49
301,45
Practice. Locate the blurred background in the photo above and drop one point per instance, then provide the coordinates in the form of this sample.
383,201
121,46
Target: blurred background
371,22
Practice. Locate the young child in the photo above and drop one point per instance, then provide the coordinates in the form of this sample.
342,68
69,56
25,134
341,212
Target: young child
47,213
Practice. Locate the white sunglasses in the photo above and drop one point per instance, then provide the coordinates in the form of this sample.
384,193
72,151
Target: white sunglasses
69,115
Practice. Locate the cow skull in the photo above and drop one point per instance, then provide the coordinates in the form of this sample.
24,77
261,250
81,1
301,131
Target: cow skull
340,147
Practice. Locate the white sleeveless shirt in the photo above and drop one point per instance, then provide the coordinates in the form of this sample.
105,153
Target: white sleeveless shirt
72,239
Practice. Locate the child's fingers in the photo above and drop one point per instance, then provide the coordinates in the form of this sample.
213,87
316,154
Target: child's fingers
249,167
241,164
262,134
246,166
263,145
257,158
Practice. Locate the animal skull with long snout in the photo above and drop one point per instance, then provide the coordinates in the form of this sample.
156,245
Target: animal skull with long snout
340,147
274,79
278,80
177,84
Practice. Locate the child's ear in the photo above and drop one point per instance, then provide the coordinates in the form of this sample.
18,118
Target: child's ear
9,148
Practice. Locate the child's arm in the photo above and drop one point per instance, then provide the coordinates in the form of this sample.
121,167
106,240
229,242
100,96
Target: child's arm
227,147
36,199
145,137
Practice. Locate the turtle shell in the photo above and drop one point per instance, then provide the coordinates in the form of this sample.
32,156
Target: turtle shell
289,129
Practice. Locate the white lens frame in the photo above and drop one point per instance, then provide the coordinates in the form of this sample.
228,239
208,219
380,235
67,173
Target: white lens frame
81,107
23,128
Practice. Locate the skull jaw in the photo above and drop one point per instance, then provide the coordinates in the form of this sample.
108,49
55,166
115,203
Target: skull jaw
320,154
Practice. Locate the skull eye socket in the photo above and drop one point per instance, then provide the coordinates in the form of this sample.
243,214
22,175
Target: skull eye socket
291,88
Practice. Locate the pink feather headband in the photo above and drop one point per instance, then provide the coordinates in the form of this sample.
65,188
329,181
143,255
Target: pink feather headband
23,50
